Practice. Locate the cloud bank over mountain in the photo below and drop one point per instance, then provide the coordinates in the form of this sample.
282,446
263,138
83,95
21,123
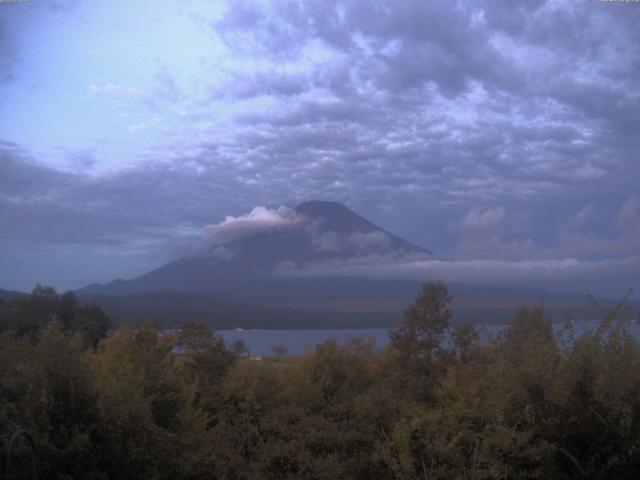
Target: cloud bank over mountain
568,274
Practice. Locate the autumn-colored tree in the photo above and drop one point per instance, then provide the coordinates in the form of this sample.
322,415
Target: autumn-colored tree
206,358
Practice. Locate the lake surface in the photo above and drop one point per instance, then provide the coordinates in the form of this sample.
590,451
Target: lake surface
297,342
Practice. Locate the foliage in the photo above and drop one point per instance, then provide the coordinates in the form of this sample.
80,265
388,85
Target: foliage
438,403
25,317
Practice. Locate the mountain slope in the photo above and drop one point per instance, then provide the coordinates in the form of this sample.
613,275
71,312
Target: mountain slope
244,271
11,294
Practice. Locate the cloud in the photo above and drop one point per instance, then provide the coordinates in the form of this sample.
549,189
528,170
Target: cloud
259,220
366,241
46,209
567,273
113,89
629,215
582,218
141,209
490,221
222,253
494,130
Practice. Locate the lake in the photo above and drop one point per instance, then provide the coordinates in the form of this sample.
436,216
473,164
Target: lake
297,342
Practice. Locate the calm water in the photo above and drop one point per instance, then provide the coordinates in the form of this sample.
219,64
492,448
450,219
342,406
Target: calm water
297,342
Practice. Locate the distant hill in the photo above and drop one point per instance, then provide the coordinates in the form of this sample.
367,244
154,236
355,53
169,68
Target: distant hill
471,304
9,294
172,308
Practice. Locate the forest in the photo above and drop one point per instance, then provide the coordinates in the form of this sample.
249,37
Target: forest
439,402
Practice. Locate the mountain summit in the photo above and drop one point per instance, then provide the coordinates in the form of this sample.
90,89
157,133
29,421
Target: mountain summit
245,252
313,232
335,216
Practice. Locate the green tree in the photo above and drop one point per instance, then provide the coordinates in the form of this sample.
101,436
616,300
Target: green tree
425,322
26,317
465,339
280,351
204,361
417,362
46,389
239,348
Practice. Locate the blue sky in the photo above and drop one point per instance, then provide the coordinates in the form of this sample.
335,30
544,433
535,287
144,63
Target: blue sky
504,132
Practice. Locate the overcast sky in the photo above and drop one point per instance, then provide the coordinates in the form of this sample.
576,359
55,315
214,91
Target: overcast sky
496,131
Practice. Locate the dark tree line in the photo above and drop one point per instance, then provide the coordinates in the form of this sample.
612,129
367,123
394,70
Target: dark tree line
437,403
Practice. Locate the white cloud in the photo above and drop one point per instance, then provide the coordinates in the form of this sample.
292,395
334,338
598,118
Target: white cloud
260,219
